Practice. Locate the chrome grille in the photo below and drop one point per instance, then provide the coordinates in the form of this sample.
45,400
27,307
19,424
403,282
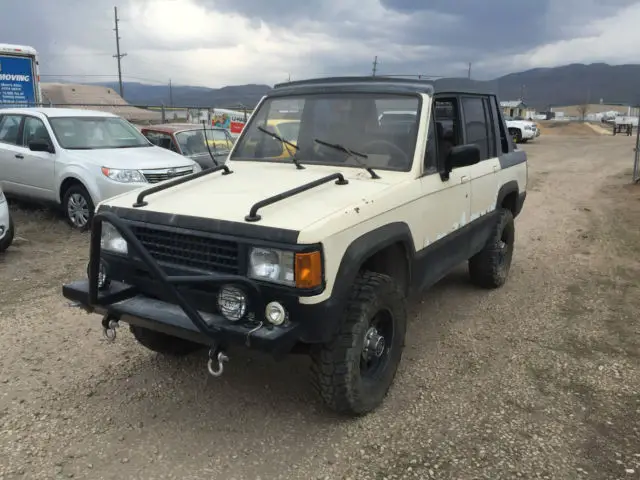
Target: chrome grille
162,174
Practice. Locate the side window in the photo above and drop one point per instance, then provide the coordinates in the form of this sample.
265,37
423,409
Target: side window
447,127
10,128
504,138
161,140
491,129
34,130
475,124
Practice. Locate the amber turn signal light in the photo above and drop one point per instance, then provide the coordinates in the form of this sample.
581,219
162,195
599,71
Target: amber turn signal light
308,270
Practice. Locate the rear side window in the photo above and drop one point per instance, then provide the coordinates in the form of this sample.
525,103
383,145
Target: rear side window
10,128
476,124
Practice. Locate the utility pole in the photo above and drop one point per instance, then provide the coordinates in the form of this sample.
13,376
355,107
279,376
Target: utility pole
469,73
118,55
375,66
170,94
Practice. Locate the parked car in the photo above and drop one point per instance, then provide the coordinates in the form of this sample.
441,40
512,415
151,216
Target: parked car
521,130
188,139
75,159
7,229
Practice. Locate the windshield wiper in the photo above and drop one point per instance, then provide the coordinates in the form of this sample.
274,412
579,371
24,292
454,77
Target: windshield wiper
206,142
286,144
351,153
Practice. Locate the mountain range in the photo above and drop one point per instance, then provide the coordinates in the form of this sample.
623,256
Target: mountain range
540,88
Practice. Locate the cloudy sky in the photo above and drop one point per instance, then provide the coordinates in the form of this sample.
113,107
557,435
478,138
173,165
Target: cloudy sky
222,42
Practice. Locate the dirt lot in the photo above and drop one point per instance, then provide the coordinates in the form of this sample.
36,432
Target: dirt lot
540,379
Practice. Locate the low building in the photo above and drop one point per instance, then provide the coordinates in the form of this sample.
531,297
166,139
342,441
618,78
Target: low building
594,110
513,108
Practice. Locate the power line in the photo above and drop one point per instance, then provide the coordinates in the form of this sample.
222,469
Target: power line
118,55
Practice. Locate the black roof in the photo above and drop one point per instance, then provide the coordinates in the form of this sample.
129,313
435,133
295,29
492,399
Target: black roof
384,84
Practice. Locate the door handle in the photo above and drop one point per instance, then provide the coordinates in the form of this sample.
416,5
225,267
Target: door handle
19,155
464,179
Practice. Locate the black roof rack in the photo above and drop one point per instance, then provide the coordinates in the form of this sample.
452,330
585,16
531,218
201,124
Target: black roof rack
253,213
177,181
387,84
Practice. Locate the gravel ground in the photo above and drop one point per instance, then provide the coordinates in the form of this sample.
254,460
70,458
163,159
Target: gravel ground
539,379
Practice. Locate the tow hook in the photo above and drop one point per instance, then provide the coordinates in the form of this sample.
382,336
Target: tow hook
251,332
218,357
109,325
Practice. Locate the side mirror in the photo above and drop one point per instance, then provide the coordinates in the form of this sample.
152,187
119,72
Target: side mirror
463,156
41,146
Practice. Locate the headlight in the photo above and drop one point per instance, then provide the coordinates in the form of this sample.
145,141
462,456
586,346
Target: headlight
302,270
123,176
111,240
272,265
196,168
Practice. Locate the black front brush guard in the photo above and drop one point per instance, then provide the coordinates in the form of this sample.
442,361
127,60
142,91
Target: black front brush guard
168,283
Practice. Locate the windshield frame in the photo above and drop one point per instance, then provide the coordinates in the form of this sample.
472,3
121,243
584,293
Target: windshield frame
126,124
386,93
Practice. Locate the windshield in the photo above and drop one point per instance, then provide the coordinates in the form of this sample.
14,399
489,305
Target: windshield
192,142
88,133
288,130
348,119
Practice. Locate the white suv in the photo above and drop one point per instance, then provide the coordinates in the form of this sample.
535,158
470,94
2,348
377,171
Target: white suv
77,158
522,131
6,224
318,250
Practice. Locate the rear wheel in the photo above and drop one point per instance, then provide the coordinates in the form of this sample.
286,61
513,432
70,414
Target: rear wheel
163,343
516,135
490,267
354,371
78,207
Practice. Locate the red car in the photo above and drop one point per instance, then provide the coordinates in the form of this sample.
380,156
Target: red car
188,139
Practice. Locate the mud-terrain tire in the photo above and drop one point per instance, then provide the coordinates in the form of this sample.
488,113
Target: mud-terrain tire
7,240
347,382
490,267
162,343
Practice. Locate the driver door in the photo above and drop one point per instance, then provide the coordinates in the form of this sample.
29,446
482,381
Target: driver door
446,199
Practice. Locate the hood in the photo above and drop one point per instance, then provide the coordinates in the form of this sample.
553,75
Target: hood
133,158
230,197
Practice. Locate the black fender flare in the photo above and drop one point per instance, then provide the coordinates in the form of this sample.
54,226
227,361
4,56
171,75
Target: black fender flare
363,248
507,189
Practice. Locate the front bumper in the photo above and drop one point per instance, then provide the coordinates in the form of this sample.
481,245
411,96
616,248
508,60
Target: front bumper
170,319
169,301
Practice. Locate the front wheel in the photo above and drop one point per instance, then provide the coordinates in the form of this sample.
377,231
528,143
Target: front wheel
78,207
7,239
354,371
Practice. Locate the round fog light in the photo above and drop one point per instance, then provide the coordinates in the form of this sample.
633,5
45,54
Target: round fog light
232,303
275,313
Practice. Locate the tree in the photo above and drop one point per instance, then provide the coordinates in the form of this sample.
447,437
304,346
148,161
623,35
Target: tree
583,110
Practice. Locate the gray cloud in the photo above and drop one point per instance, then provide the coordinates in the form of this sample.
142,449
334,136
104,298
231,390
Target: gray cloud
437,37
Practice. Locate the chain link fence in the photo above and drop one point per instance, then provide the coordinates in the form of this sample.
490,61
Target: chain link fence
148,114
